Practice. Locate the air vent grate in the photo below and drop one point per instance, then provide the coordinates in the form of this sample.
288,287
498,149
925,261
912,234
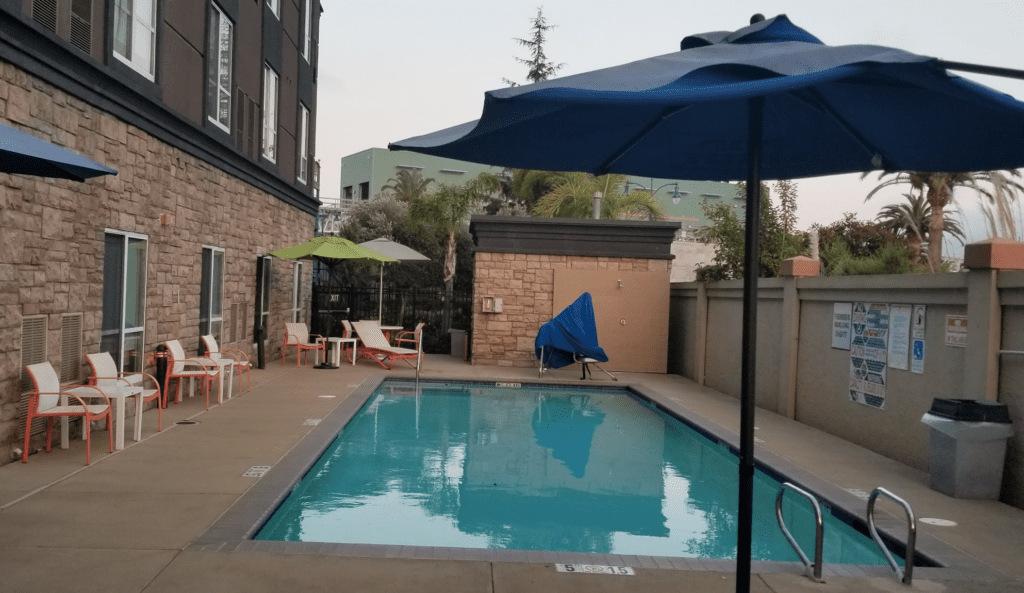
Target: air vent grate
81,33
44,12
71,348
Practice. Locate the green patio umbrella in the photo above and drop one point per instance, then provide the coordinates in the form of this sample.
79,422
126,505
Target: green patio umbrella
332,248
329,250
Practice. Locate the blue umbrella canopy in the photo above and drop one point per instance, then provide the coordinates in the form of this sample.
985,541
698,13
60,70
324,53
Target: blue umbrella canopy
684,115
25,154
768,101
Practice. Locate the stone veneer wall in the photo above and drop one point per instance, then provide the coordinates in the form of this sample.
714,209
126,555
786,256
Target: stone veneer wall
526,283
52,236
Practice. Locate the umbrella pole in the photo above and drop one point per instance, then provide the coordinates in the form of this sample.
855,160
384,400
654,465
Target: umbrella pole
380,302
751,265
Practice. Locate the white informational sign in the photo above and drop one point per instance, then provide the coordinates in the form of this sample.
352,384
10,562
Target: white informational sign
899,336
917,325
868,352
956,331
917,356
841,322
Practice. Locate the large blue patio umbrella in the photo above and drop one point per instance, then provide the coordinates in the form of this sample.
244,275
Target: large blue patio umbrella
769,101
25,154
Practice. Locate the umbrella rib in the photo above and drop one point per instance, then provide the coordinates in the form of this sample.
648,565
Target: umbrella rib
878,158
666,114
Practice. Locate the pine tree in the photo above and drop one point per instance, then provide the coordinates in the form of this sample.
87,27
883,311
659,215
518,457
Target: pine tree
540,68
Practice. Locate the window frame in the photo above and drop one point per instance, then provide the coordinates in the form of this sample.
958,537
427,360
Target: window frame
214,72
297,292
303,174
268,149
211,289
123,331
307,29
150,28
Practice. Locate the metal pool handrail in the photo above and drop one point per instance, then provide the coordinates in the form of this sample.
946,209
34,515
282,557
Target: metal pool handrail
903,575
813,571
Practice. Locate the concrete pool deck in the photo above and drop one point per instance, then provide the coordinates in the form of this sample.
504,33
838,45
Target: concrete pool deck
140,519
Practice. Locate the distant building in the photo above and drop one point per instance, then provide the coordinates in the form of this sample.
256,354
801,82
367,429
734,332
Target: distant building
364,173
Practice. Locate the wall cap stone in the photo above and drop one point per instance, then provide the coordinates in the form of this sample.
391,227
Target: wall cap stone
994,254
574,236
799,266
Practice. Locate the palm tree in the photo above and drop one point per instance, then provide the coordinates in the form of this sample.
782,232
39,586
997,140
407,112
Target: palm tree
408,184
530,185
446,209
937,188
573,197
910,222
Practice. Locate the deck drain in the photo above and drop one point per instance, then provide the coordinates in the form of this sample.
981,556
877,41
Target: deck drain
311,422
938,522
186,422
256,471
328,396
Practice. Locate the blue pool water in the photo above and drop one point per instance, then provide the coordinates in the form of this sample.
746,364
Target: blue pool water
539,468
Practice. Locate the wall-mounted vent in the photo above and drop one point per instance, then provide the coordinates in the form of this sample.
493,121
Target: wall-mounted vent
44,12
71,348
33,351
81,33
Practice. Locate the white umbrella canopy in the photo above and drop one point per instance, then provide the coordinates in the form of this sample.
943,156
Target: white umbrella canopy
399,253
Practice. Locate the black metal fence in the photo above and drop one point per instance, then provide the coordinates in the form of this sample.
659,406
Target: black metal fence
332,304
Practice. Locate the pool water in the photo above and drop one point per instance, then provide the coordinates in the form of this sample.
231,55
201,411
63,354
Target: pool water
540,468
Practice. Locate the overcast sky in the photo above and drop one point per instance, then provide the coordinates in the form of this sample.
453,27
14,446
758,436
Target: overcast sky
393,69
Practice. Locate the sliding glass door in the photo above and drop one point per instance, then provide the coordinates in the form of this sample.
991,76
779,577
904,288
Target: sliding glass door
124,299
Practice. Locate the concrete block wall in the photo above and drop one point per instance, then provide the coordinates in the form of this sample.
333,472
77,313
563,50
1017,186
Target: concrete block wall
52,235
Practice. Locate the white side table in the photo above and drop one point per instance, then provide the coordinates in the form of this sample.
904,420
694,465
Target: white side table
336,349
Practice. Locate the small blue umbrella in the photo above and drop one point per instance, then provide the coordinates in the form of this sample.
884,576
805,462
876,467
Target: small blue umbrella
25,154
768,101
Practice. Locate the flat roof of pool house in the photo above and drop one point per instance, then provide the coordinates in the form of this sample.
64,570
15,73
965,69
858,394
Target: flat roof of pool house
171,512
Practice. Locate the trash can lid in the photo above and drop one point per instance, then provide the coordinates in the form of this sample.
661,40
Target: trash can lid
969,410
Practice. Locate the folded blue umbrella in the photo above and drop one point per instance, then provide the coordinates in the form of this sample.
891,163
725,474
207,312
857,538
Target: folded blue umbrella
571,332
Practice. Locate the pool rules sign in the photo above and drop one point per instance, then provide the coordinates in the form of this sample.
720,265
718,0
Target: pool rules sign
869,350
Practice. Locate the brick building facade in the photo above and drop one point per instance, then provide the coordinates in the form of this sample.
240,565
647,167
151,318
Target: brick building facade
169,248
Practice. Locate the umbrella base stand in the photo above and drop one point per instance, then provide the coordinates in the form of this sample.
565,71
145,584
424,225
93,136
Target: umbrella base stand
325,365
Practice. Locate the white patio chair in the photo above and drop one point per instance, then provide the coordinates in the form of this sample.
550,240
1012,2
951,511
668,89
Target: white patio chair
44,402
240,360
105,373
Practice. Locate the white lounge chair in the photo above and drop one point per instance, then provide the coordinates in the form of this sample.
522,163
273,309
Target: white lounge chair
376,347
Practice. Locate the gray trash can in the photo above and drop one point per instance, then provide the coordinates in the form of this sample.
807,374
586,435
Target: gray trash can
967,447
458,343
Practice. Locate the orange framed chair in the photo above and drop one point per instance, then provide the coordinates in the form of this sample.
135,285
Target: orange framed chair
104,372
376,347
410,336
44,402
181,367
297,335
240,360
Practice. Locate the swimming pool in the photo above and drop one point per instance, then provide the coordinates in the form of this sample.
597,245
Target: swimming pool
538,468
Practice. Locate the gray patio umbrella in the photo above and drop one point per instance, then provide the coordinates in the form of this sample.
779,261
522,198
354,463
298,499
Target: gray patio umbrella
399,253
24,154
768,101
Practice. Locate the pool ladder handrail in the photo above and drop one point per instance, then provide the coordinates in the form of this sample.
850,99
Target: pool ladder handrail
813,571
905,575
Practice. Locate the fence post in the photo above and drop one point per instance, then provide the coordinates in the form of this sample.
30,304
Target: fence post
791,270
701,339
984,315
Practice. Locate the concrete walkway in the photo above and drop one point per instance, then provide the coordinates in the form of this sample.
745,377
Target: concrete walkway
127,522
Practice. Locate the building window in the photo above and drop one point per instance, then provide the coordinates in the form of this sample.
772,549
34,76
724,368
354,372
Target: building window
364,190
275,7
135,35
269,113
346,193
211,293
303,143
122,332
307,28
218,87
297,294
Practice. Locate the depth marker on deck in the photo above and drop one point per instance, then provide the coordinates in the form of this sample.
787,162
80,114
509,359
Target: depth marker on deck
595,569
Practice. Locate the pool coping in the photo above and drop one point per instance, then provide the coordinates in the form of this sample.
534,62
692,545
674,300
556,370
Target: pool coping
233,531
